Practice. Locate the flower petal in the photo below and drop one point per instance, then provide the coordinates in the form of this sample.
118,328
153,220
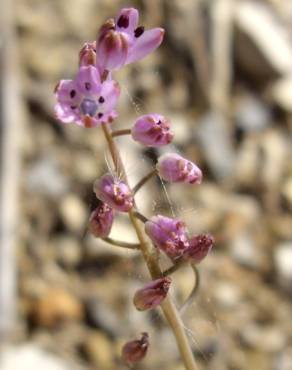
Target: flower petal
127,20
67,92
65,113
88,80
110,92
145,44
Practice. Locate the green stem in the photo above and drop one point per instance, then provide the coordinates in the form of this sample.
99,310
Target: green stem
148,251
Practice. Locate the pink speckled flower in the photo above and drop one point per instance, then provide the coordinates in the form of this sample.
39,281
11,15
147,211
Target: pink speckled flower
87,55
122,41
101,220
86,100
135,350
200,246
152,294
174,168
114,192
152,130
168,234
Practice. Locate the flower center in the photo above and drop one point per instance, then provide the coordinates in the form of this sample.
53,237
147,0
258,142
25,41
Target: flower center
88,106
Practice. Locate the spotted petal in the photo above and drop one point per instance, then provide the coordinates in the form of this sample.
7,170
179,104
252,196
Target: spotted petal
127,20
88,80
67,92
66,114
145,44
110,93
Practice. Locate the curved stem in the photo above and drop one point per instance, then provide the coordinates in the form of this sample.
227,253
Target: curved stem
126,131
196,286
120,243
150,257
143,181
194,291
174,268
140,217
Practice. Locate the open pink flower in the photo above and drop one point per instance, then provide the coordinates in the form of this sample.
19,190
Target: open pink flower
152,130
86,100
122,41
114,192
168,234
174,168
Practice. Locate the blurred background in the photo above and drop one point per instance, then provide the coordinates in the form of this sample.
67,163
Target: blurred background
223,76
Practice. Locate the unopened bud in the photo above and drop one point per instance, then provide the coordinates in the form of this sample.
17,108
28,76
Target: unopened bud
174,168
114,192
112,49
199,247
152,130
152,294
87,55
101,220
168,235
135,350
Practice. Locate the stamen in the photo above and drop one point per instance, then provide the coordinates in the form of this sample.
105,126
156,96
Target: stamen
72,93
139,31
101,100
100,115
123,21
87,85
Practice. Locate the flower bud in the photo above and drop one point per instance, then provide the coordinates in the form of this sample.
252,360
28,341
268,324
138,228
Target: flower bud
112,49
168,234
114,192
87,55
135,350
174,168
152,130
152,294
199,247
101,220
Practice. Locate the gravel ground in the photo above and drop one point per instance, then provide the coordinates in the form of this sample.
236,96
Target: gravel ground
74,298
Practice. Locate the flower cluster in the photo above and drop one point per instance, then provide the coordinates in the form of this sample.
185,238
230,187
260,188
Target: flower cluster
90,100
170,236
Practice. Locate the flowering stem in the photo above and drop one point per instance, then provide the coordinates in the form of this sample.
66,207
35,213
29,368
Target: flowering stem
122,244
121,132
143,181
150,257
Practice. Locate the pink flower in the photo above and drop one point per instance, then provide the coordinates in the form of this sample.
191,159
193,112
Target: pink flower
135,350
168,234
86,100
200,246
174,168
152,294
101,220
122,41
114,192
152,130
